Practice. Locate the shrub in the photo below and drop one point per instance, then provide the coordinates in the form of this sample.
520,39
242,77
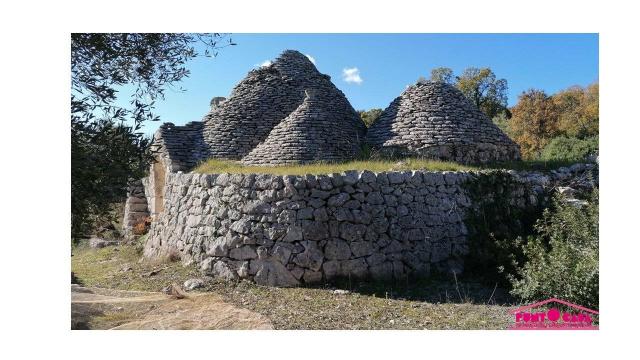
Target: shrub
496,227
562,259
569,149
370,116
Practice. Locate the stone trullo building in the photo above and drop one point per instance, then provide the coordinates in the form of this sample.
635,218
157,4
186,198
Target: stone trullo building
321,128
290,230
435,120
287,103
286,112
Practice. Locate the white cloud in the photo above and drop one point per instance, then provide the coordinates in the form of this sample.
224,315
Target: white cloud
311,58
352,75
264,63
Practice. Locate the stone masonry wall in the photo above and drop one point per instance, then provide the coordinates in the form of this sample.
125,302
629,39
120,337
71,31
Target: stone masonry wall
180,148
289,230
136,208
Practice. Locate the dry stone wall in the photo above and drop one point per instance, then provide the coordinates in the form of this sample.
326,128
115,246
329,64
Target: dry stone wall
289,230
136,207
435,120
180,148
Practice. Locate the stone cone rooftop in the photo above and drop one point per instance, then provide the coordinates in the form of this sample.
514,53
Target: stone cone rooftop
435,120
321,128
260,112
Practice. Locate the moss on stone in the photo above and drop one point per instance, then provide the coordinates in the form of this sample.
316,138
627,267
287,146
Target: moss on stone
501,216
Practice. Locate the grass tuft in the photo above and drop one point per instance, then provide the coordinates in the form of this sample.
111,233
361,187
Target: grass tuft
216,166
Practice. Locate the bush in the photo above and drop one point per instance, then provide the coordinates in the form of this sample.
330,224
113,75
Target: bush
370,116
496,227
569,149
562,259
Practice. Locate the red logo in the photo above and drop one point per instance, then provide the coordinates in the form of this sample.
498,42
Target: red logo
541,316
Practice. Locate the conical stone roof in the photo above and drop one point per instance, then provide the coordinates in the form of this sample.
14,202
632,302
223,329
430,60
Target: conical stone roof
265,98
324,127
435,120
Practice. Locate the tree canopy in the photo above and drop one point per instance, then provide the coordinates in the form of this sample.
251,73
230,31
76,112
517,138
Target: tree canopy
534,122
370,116
486,91
538,118
442,74
480,85
578,111
107,147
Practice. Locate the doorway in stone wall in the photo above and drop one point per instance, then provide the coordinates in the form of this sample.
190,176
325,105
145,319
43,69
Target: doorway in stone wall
159,173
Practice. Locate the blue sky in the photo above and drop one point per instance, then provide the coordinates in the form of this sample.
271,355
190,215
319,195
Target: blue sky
387,63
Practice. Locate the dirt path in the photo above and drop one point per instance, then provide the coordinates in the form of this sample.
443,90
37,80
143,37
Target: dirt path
419,304
96,308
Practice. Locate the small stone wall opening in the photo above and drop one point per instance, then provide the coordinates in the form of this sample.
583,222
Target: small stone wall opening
159,175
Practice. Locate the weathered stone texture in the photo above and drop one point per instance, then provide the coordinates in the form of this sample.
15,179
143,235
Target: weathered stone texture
435,120
180,148
286,112
136,208
310,133
288,230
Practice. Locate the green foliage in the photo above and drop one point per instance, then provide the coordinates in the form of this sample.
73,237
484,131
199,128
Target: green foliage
486,91
534,122
442,74
496,226
102,63
103,157
106,153
370,116
578,111
538,118
562,259
502,121
480,86
569,149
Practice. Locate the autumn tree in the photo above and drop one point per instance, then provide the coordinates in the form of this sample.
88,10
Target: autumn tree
486,91
534,121
370,116
578,111
442,74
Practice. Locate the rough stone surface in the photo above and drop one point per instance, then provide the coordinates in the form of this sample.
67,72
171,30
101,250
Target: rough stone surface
193,284
286,112
309,133
136,208
98,243
435,120
413,223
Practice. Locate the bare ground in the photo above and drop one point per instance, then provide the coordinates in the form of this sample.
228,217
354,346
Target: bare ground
95,308
420,304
